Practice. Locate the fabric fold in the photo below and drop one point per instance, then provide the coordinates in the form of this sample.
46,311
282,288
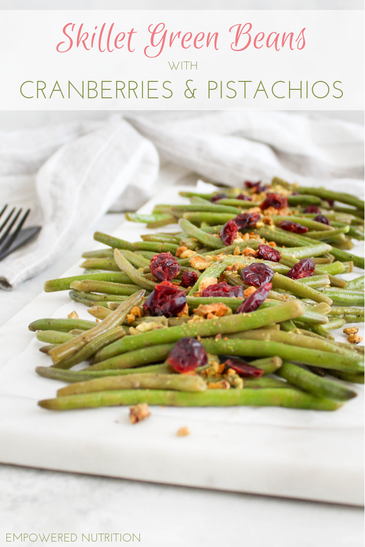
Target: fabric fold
72,173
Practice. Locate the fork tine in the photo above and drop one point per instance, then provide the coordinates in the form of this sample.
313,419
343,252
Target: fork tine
2,210
6,220
9,227
11,239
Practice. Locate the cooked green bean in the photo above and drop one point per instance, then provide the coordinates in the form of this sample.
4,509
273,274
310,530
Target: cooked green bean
289,398
319,387
209,327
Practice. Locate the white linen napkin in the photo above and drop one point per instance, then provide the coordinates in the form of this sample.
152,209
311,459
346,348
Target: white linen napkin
73,173
111,165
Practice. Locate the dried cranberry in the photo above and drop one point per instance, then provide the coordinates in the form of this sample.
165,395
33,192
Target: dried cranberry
257,274
187,355
268,253
255,300
313,209
217,197
295,194
274,200
243,197
247,220
229,232
189,279
250,184
294,227
322,219
303,268
166,300
223,290
244,369
164,266
330,202
256,186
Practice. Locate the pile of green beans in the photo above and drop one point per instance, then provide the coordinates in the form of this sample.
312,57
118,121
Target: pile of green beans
288,338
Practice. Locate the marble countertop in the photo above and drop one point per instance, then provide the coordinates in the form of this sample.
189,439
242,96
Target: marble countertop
40,501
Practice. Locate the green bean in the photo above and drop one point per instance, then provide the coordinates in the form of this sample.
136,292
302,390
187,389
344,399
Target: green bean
303,200
197,194
338,208
62,325
132,273
99,312
239,203
216,229
349,268
353,232
176,382
253,243
201,236
305,252
89,297
135,358
299,289
334,268
113,242
355,378
155,247
264,383
53,336
209,327
80,299
289,398
161,238
147,219
265,348
268,364
104,287
340,310
108,264
214,270
86,374
283,237
343,256
345,297
88,350
319,387
323,193
334,324
210,218
356,284
99,253
353,319
208,208
292,339
64,283
328,236
308,316
316,281
165,221
66,350
47,349
333,217
307,222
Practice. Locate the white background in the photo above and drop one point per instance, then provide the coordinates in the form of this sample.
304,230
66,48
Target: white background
334,47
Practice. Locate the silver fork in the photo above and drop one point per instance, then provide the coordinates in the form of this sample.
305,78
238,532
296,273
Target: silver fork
11,239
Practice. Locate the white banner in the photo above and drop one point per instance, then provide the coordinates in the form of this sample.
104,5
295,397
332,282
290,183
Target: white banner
148,60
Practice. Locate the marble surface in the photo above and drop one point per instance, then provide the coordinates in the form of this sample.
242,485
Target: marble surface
47,501
40,501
